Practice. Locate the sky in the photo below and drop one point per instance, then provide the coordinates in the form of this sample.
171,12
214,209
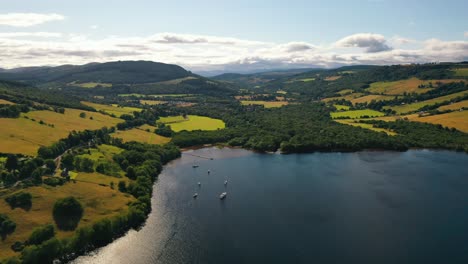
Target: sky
233,36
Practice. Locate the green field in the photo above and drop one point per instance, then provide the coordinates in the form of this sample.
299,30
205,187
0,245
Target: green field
341,107
461,72
193,122
142,135
113,109
92,84
366,126
266,104
408,108
357,113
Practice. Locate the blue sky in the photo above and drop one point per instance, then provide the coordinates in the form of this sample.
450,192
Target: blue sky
406,29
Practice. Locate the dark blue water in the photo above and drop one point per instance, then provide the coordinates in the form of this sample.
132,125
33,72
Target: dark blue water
366,207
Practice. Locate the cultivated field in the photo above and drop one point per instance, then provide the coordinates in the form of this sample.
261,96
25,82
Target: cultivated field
98,202
266,104
152,102
5,102
341,107
457,119
92,84
347,97
332,78
402,86
454,106
402,109
193,122
461,72
366,126
345,92
113,109
357,113
25,136
141,134
369,98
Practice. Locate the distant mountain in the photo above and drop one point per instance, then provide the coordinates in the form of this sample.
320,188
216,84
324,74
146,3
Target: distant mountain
259,78
119,72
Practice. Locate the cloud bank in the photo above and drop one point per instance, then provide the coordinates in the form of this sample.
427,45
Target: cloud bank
27,19
202,53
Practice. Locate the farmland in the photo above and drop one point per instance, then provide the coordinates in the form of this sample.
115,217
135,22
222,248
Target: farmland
341,107
5,102
152,102
98,202
345,92
141,134
24,136
92,84
348,97
113,109
364,125
405,86
461,72
369,98
457,119
402,109
266,104
454,106
193,122
332,78
356,114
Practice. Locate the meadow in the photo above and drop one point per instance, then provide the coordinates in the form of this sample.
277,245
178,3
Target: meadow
357,113
402,86
92,84
407,108
98,202
461,72
152,102
369,98
193,122
364,125
266,104
113,109
24,136
457,119
345,92
142,135
341,107
332,78
5,102
347,97
454,106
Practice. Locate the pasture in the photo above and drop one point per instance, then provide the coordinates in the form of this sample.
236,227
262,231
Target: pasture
341,107
366,126
141,134
408,86
347,97
152,102
25,136
357,114
266,104
91,84
454,106
332,78
456,119
113,109
345,92
369,98
98,202
461,72
408,108
193,122
5,102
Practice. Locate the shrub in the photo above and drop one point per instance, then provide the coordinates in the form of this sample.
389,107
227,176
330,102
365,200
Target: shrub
7,226
41,234
21,200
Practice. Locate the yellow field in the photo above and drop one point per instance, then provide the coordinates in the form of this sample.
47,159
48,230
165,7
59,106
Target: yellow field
98,178
113,109
141,135
24,136
366,126
457,119
5,102
357,113
341,107
193,122
98,202
347,97
369,98
402,86
345,92
152,102
454,106
266,104
281,92
402,109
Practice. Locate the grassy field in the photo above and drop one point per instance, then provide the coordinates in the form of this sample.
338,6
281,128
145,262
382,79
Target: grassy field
141,135
24,136
152,102
266,104
457,119
113,109
332,78
92,84
98,202
454,106
102,152
306,80
461,72
281,92
402,109
357,113
369,98
345,92
5,102
193,122
402,86
366,126
347,97
341,107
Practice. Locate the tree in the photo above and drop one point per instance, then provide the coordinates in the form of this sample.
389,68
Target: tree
21,200
122,186
83,115
41,234
67,161
131,174
7,226
67,213
11,163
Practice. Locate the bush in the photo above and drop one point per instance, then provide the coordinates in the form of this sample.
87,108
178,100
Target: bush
6,226
54,181
67,213
21,200
41,234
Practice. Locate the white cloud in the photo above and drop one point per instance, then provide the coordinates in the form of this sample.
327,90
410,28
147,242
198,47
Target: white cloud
371,42
202,53
30,34
27,19
466,34
94,27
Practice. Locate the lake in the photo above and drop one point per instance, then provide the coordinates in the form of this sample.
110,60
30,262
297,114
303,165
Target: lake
363,207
